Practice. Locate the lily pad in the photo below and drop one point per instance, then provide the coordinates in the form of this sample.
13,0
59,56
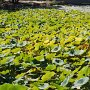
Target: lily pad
58,61
21,44
56,49
66,81
43,86
47,76
80,82
79,52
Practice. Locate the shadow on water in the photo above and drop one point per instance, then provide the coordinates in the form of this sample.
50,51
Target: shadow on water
18,6
11,7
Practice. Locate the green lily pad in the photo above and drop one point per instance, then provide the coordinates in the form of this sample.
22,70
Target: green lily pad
56,49
79,52
47,76
66,81
12,87
51,67
21,44
43,86
58,61
80,82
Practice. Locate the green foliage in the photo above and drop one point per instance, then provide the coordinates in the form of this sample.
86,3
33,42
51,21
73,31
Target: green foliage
44,49
47,76
80,82
12,87
51,67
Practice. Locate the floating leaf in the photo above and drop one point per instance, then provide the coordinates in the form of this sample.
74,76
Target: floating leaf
10,59
2,55
47,76
65,82
56,40
12,87
58,61
43,86
80,82
79,52
5,53
16,50
83,72
51,67
78,39
21,44
59,87
88,59
46,41
76,52
33,87
40,58
37,46
5,86
20,75
56,49
49,56
4,72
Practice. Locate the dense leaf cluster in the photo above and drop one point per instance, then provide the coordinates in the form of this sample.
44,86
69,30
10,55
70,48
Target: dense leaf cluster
45,49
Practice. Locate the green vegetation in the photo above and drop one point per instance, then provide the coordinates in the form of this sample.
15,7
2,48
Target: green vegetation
44,49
